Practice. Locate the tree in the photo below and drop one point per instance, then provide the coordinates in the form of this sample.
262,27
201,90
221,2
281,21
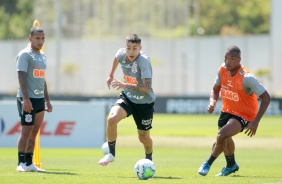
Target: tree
150,18
239,17
15,18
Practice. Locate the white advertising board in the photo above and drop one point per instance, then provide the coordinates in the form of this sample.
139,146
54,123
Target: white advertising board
70,125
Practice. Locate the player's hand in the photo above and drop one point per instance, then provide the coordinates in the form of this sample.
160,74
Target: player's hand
211,108
48,107
251,128
27,105
109,81
117,84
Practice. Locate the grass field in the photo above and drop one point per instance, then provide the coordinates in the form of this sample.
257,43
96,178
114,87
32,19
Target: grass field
181,144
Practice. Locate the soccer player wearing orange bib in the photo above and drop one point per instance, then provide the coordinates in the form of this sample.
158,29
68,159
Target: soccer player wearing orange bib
136,99
240,110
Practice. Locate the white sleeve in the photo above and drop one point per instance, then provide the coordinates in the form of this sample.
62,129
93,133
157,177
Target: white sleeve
121,54
22,61
252,85
217,79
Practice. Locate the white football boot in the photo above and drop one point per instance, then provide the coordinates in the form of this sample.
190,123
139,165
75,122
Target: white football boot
21,167
33,168
107,159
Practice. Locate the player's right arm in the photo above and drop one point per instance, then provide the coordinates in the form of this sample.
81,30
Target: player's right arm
111,75
214,95
213,98
27,106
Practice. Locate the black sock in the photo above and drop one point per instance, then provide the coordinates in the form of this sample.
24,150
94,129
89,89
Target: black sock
21,157
28,158
211,159
112,148
230,160
149,156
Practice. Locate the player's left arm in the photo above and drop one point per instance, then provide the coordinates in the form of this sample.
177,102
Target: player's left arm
145,86
262,93
253,125
48,106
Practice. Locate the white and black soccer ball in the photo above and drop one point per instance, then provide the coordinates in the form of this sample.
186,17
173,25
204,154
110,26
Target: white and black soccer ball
144,169
105,148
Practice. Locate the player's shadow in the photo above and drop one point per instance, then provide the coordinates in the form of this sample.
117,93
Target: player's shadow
167,177
240,176
59,173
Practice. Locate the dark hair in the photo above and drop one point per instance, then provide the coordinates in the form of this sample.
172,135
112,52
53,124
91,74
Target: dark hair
133,38
36,29
234,49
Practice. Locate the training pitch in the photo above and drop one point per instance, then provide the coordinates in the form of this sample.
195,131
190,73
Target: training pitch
181,144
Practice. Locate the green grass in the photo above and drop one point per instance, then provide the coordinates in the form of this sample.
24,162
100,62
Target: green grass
174,165
197,125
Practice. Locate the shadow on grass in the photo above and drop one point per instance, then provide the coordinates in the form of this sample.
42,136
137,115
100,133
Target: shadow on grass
167,177
160,177
59,173
272,177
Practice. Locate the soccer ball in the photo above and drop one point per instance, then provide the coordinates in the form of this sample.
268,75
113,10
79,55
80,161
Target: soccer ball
144,169
105,148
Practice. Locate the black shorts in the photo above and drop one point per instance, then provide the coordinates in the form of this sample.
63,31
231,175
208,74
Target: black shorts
224,117
142,113
38,105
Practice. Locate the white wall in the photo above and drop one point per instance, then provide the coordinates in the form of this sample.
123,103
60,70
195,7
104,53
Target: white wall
180,67
276,40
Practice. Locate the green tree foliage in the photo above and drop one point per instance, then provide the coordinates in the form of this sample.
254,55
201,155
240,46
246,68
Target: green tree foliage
229,17
15,18
150,18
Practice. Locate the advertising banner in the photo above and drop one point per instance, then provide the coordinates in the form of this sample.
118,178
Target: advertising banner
71,124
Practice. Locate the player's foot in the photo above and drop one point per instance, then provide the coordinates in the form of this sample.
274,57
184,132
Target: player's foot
107,159
226,170
204,169
33,168
21,167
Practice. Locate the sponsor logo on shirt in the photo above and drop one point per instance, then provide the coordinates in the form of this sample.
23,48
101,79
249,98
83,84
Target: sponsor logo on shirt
38,73
38,92
229,83
130,79
229,95
129,95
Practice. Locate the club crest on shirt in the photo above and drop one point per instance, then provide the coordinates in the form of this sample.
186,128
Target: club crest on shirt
242,72
134,68
44,59
28,118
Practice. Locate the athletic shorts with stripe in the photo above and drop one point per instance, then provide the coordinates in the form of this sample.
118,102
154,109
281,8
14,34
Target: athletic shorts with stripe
142,113
224,117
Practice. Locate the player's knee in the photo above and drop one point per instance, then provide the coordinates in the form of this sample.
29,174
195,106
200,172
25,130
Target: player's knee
144,139
141,139
33,134
26,131
221,136
112,120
